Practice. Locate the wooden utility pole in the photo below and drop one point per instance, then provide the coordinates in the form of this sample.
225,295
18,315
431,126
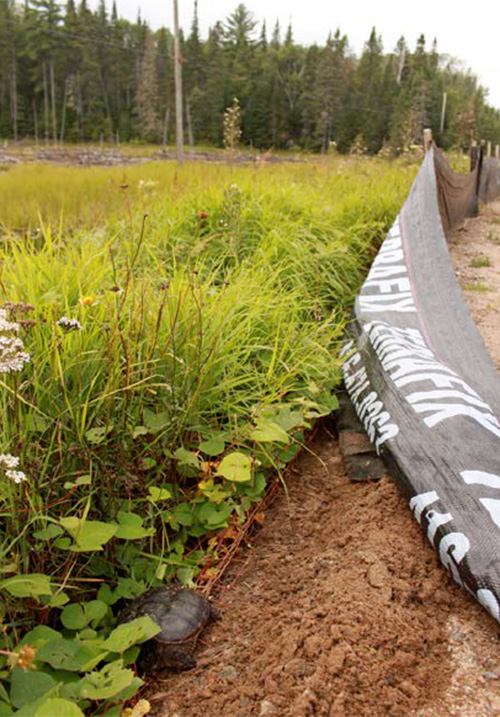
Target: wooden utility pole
427,139
443,112
488,149
178,87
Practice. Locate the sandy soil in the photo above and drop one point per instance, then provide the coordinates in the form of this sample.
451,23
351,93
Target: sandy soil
340,607
479,239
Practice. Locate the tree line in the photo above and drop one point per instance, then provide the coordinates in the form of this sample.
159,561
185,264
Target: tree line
75,74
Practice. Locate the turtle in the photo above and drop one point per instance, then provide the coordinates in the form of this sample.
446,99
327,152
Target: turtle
182,614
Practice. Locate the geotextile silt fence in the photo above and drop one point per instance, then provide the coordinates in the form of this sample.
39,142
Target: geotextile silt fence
423,383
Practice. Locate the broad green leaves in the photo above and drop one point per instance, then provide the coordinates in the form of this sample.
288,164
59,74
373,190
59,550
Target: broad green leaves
48,532
98,435
67,673
130,527
126,588
214,516
58,600
39,636
71,655
58,706
188,462
131,633
187,458
103,684
157,493
216,483
24,586
268,432
236,467
182,515
213,446
26,687
77,616
81,480
156,422
89,535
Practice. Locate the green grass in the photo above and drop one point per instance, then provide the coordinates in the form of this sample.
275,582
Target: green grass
212,302
459,161
480,262
476,286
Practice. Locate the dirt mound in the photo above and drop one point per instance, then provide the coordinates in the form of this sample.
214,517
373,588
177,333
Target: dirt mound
342,610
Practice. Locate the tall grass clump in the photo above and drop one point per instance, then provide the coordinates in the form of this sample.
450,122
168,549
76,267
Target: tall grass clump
164,364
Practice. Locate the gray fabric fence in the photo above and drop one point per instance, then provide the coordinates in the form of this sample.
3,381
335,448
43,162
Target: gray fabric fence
423,383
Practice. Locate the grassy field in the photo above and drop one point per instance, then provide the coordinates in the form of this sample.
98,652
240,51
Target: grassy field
168,336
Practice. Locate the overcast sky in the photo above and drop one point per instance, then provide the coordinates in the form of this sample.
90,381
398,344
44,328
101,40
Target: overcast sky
468,32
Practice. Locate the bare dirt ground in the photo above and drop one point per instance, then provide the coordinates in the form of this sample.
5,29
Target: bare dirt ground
478,241
80,155
341,608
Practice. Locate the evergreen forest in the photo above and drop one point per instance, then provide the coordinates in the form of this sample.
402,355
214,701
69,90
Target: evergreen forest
73,74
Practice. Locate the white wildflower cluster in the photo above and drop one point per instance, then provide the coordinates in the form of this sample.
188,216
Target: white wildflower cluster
8,461
8,464
12,356
7,326
69,324
16,476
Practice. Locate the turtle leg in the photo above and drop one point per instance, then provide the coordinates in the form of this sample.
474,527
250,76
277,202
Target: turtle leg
178,658
215,613
148,661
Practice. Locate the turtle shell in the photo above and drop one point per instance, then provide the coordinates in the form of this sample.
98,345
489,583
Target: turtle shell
181,613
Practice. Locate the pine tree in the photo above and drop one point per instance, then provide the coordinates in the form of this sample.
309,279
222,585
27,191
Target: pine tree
194,78
239,45
411,109
214,90
9,61
164,73
259,109
147,93
290,61
308,100
388,97
369,85
239,28
276,38
263,38
44,49
329,89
